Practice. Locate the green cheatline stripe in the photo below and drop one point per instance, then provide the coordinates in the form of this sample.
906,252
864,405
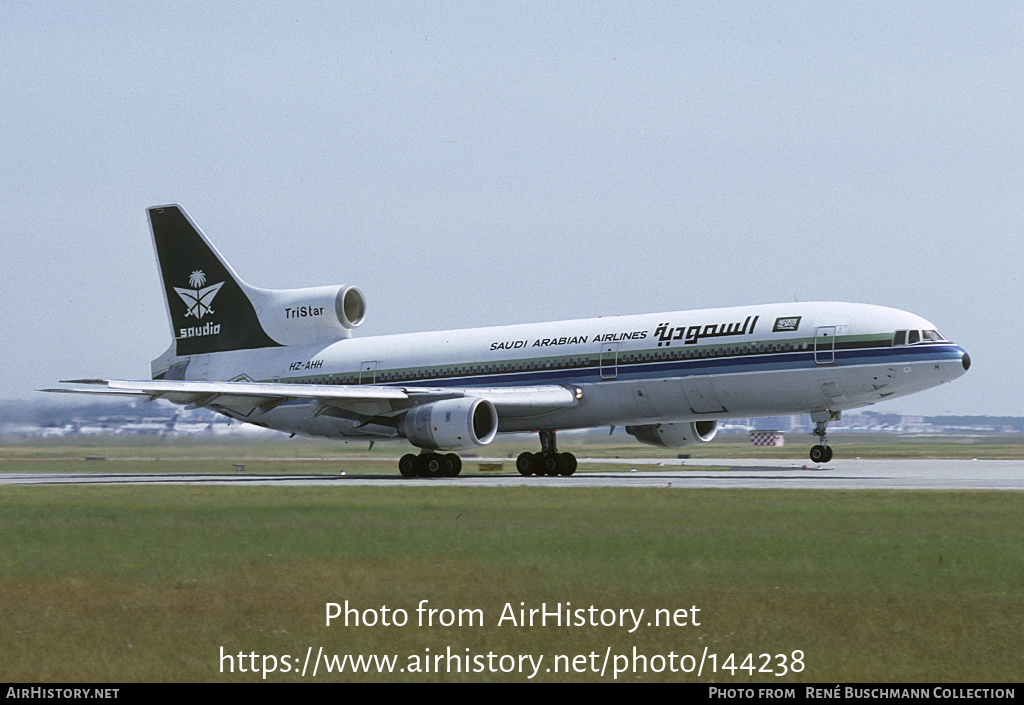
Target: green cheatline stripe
592,360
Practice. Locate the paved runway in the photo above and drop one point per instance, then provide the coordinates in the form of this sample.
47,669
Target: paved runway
839,474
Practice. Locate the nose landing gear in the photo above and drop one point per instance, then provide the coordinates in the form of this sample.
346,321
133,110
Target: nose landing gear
822,453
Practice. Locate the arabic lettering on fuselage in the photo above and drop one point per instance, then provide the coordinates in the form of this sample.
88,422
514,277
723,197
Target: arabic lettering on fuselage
693,334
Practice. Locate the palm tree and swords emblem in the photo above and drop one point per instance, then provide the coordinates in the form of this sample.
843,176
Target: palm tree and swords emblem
198,300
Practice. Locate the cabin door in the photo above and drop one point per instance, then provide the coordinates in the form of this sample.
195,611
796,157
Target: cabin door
825,345
609,361
368,372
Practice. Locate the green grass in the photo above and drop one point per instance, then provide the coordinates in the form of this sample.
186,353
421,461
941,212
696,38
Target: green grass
147,583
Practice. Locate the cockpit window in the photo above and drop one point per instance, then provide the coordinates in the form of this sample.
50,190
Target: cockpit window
914,337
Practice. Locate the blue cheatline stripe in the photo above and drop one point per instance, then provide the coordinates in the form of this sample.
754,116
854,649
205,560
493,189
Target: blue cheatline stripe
689,367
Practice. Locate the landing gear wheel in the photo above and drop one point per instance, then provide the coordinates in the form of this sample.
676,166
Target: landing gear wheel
550,464
407,465
821,454
454,465
568,464
524,464
433,465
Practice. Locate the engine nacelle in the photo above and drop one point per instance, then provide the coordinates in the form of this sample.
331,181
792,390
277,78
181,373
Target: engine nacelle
319,314
674,435
451,424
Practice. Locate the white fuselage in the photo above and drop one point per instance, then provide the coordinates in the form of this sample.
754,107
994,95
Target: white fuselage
747,361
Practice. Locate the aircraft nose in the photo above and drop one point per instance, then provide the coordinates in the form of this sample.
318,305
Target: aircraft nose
966,361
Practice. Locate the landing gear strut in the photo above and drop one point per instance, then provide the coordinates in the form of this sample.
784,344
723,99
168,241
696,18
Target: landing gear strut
430,465
822,453
549,461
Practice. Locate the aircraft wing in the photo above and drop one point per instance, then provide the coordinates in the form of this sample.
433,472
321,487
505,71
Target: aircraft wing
370,400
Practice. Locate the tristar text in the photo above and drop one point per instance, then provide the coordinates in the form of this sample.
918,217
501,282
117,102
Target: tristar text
303,311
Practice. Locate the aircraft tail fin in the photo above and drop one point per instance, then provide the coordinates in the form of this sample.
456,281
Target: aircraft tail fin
210,308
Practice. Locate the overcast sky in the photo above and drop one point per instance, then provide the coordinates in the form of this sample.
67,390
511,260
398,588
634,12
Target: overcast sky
477,163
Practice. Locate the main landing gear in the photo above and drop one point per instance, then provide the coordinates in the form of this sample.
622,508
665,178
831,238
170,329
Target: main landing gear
549,461
822,453
430,465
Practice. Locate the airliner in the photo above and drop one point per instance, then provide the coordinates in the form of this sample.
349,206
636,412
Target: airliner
286,359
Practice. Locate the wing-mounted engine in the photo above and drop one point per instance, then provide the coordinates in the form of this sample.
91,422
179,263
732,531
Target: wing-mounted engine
321,314
451,424
674,435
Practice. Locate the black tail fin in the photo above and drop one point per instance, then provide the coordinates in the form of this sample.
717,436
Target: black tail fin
209,306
